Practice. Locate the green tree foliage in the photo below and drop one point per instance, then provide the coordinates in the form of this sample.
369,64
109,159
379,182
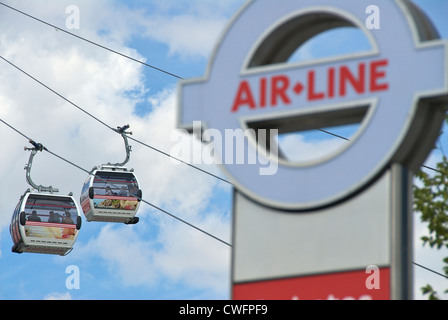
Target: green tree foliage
432,295
431,202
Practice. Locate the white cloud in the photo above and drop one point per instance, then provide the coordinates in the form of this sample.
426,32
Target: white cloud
185,35
298,149
58,296
176,254
189,28
192,257
127,255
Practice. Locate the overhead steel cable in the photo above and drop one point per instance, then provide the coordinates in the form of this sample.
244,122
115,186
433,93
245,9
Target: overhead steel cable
11,127
141,199
55,92
346,139
108,126
180,160
333,134
430,270
91,42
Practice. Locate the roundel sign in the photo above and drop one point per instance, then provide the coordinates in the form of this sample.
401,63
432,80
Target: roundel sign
394,91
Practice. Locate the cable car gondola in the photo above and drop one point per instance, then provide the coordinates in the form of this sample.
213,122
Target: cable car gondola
44,222
111,193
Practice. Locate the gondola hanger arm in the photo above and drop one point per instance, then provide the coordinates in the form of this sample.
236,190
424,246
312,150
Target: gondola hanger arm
122,131
36,147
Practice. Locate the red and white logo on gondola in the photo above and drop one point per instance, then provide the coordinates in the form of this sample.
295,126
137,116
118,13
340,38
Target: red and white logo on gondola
395,86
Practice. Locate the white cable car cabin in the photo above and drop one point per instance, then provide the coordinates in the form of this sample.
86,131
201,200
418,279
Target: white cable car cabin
45,223
111,194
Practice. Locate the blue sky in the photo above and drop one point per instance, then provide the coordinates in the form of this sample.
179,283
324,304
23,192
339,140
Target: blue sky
159,258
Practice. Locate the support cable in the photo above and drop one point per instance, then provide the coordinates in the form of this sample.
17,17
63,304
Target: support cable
90,41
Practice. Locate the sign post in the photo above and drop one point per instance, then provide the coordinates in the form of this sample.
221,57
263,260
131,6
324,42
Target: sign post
339,226
401,231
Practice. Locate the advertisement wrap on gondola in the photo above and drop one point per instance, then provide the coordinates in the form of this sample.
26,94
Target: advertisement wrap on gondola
315,229
50,231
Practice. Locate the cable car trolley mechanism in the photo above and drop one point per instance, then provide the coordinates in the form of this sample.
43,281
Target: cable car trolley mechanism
111,192
43,221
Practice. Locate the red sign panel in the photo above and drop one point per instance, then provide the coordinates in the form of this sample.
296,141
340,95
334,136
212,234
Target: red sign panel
350,285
